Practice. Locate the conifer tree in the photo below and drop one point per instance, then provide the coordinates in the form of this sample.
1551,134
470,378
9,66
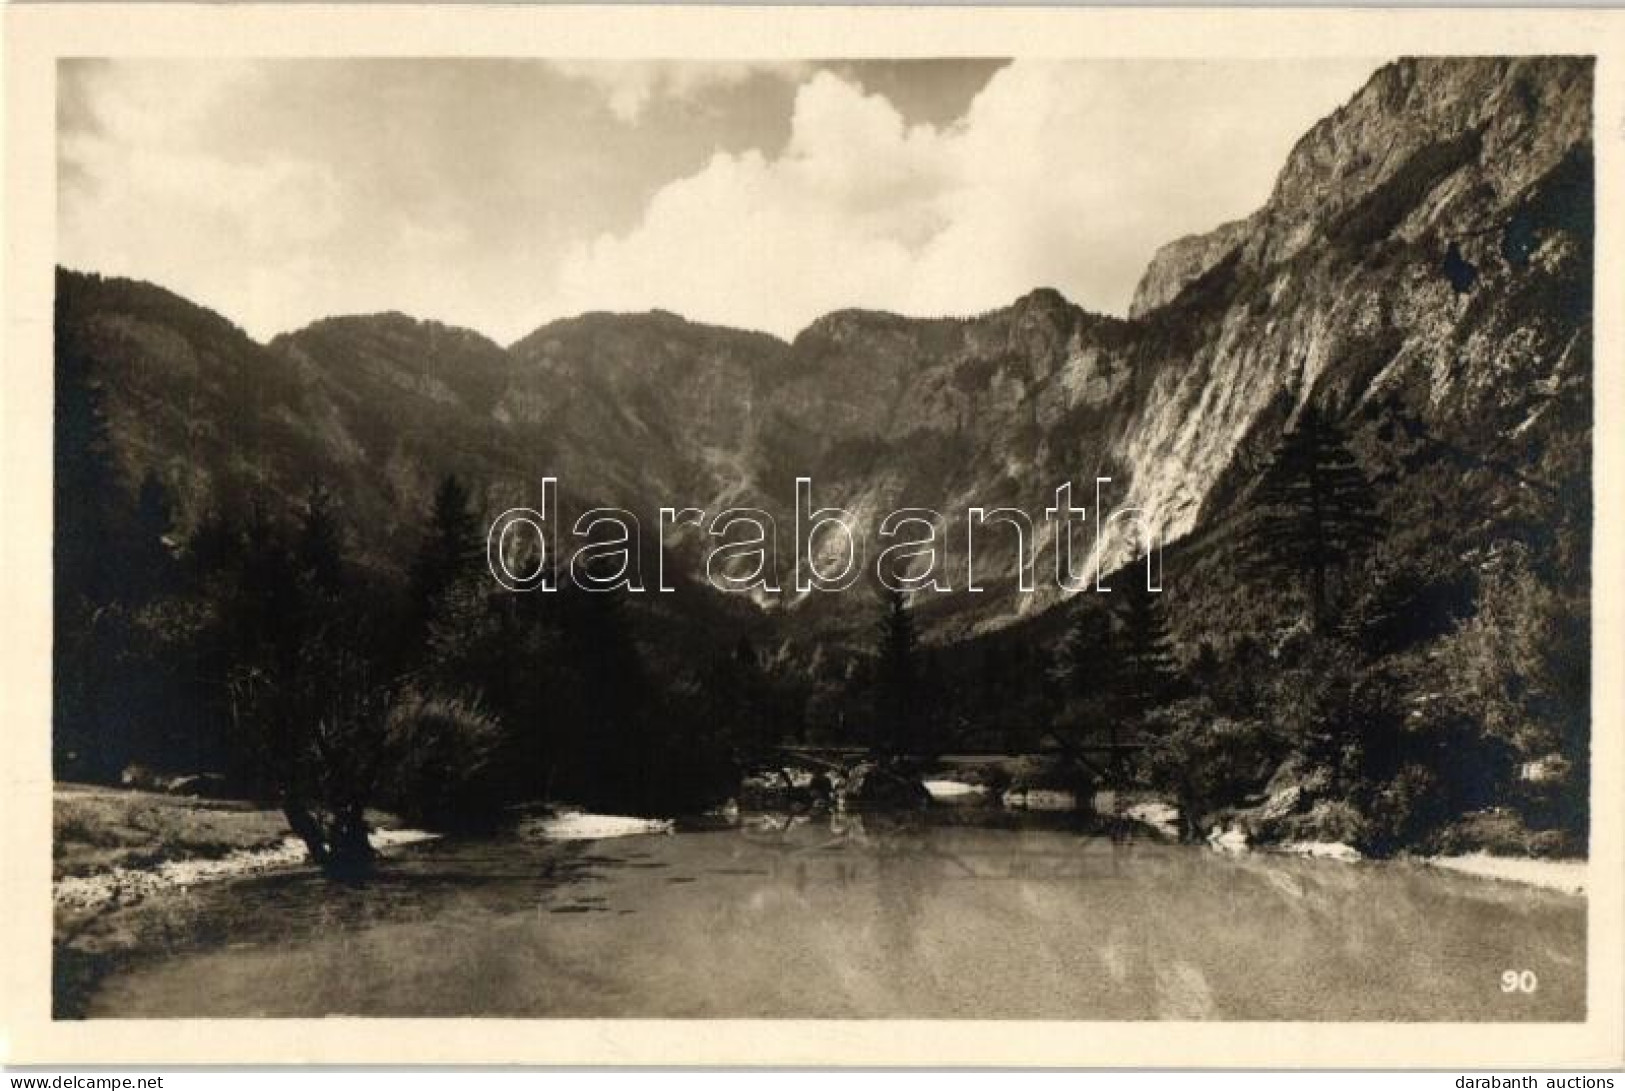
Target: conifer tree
1085,659
90,508
89,498
611,745
1134,671
897,678
319,548
149,567
450,551
1316,508
1145,673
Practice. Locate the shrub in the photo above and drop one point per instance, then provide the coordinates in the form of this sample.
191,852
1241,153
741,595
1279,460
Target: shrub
1208,762
1403,811
1329,820
1519,672
442,752
1503,831
1521,663
1342,715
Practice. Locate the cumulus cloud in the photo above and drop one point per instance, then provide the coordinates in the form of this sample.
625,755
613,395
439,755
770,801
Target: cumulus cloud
144,195
500,194
630,86
1061,174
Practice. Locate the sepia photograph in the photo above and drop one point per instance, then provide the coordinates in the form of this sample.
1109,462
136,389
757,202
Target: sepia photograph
982,535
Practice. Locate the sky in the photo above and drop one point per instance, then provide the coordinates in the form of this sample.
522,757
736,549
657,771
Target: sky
502,194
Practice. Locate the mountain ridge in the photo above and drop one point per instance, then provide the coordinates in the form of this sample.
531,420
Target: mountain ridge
1426,247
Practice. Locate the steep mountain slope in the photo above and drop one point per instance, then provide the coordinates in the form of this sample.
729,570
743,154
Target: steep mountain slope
1425,257
227,423
645,410
1429,242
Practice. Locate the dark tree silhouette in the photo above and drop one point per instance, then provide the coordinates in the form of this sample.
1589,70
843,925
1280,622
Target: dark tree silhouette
897,681
1145,672
1315,508
305,696
609,755
451,551
1085,659
89,718
320,728
149,567
1119,668
1084,673
738,699
88,496
319,547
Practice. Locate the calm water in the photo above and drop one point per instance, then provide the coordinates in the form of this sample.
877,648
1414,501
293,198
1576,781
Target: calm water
839,917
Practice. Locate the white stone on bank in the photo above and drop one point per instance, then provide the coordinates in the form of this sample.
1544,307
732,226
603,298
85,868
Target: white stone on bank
953,789
581,826
1321,850
1041,799
122,884
1231,839
1162,817
1563,876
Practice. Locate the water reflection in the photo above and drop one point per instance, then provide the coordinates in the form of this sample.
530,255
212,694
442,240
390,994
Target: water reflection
859,846
973,912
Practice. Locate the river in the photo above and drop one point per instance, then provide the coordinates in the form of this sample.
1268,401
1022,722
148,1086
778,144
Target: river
959,915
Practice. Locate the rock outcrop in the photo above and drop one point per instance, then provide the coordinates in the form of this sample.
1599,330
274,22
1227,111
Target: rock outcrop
1426,247
1177,265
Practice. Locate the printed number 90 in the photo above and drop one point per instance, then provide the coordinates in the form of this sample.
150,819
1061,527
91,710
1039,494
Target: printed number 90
1519,981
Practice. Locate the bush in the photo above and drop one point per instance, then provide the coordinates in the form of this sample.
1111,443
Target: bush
1208,762
1403,812
1518,671
442,754
1329,820
1502,831
1521,664
1342,715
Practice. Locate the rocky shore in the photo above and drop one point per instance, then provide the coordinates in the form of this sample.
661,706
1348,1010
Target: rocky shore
115,846
1563,876
124,885
1288,822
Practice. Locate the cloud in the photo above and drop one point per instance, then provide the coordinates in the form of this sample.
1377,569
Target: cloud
1061,174
145,195
630,86
500,194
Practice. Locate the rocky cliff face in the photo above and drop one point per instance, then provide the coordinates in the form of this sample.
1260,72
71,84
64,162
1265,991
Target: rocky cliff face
1426,249
1427,245
1176,265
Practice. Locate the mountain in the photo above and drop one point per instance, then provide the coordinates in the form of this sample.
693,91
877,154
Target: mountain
1423,261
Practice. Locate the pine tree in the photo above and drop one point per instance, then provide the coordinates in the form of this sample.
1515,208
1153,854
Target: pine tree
734,686
1085,666
267,614
319,548
1315,505
611,744
451,551
1135,668
215,544
1145,673
745,655
753,727
1085,659
90,511
90,502
897,679
149,566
